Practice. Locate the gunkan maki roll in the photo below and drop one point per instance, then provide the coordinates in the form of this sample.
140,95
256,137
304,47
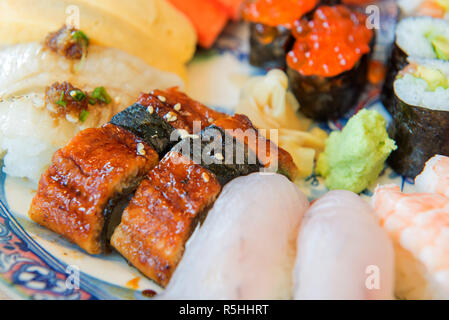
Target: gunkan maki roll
328,64
270,28
416,37
420,113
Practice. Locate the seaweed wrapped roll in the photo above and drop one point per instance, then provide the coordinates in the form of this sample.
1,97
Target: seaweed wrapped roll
328,65
416,37
420,114
270,28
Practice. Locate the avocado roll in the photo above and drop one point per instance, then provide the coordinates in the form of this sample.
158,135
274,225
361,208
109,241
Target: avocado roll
420,113
270,28
416,37
328,64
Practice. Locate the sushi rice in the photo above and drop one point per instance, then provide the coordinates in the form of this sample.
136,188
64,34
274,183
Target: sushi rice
409,7
29,134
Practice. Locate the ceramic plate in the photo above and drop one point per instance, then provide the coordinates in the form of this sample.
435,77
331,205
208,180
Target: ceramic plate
38,264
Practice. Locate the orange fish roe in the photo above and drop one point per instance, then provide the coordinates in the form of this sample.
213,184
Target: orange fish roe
331,43
276,12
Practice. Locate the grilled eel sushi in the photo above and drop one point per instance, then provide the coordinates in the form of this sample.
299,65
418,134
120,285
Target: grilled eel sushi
175,196
86,180
101,167
105,171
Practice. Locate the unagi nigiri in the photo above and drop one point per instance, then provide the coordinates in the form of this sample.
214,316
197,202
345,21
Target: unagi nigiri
174,197
342,252
418,224
100,166
88,177
245,249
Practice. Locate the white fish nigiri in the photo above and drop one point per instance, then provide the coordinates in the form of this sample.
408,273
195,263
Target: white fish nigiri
29,133
435,176
246,247
342,252
27,68
418,224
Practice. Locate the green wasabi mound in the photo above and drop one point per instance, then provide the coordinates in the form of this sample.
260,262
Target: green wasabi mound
355,157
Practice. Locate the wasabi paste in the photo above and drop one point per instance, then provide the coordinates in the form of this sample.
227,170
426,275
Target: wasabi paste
355,157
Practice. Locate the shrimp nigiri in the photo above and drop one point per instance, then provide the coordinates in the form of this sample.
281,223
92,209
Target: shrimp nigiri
435,176
246,246
419,227
342,252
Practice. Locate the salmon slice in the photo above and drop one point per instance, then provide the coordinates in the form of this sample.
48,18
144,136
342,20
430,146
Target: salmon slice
162,215
86,179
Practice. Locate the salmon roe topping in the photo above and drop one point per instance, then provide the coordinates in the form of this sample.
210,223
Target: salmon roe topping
276,12
331,43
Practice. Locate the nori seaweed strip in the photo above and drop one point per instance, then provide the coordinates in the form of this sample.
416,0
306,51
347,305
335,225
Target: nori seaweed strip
269,45
235,158
150,127
323,98
420,133
397,62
